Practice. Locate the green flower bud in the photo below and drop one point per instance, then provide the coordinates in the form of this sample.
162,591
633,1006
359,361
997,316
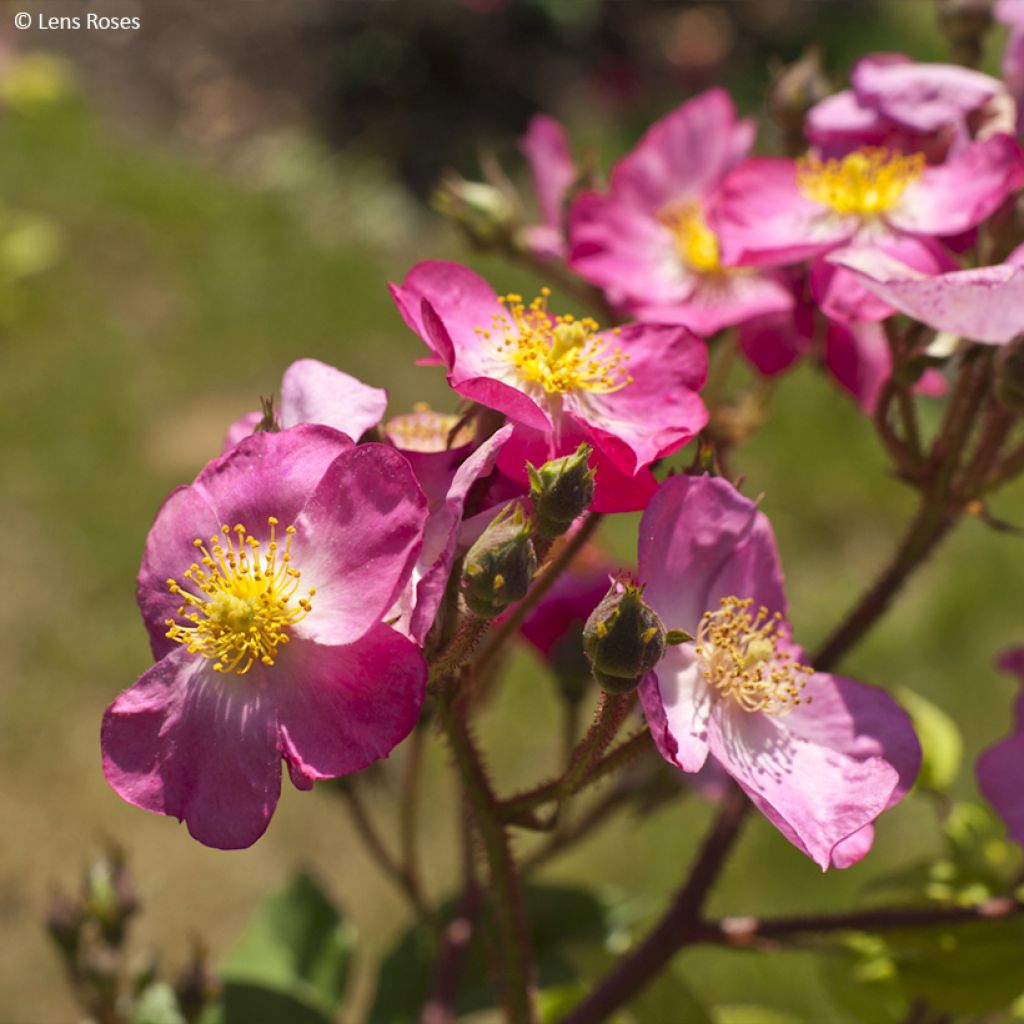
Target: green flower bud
500,566
623,638
484,212
561,490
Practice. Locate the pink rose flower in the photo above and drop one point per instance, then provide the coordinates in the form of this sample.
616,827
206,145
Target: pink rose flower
1011,12
313,392
630,392
908,106
820,756
772,210
263,586
983,304
546,147
1000,768
647,242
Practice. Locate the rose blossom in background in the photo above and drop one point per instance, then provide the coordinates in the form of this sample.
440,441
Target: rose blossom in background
1000,769
647,242
263,586
546,147
909,106
631,393
1011,12
820,756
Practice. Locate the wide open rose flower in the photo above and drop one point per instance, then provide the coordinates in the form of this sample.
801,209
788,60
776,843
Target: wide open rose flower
820,756
647,242
1000,769
630,392
263,586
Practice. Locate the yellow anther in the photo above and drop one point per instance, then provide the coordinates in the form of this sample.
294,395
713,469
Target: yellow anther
240,614
743,657
867,182
696,243
560,354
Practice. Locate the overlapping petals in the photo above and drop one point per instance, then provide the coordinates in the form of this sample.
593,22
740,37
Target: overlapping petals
820,756
546,147
984,304
630,392
331,533
646,242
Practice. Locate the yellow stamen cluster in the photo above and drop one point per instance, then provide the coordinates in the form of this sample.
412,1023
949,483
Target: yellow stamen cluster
867,182
424,430
742,659
245,602
560,353
696,243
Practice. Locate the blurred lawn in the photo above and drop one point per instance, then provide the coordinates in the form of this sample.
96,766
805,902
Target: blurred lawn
180,297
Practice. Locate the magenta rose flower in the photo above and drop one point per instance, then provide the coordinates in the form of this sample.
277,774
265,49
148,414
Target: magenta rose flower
647,242
1000,769
983,304
820,756
631,393
263,586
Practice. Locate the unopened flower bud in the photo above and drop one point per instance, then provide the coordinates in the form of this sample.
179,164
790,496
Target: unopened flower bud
500,566
1010,377
196,985
111,897
623,639
484,212
64,920
797,88
561,490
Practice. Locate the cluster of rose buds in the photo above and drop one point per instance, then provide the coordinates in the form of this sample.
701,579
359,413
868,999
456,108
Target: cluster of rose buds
333,569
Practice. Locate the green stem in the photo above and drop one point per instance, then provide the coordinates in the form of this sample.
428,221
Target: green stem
505,891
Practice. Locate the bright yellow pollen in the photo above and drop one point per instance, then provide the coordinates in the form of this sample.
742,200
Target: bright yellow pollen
560,353
244,602
696,243
867,182
741,658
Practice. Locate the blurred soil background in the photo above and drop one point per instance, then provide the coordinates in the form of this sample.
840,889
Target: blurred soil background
194,206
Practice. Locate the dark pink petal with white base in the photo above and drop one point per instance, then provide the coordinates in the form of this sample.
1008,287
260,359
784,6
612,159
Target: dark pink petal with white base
202,747
677,705
342,708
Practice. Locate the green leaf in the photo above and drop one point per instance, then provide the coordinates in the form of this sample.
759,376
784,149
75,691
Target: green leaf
157,1005
560,918
864,982
969,968
292,962
745,1014
940,741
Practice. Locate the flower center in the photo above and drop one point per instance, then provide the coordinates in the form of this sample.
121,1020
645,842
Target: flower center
866,182
560,353
242,600
741,658
696,243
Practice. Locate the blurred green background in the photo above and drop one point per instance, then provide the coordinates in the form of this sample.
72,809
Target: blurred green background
177,247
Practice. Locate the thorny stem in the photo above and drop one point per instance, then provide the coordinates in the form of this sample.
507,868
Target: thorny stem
506,894
625,752
633,971
748,932
468,634
389,865
545,580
